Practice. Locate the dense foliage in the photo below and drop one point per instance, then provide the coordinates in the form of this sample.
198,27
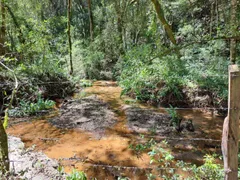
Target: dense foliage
124,40
178,56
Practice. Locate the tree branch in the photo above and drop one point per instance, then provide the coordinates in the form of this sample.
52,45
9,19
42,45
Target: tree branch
12,96
160,13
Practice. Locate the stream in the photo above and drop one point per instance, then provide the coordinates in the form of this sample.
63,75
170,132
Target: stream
92,132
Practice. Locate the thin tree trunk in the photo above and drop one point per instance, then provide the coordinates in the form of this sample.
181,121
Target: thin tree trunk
4,161
20,34
3,29
90,19
69,35
233,42
211,18
160,13
119,12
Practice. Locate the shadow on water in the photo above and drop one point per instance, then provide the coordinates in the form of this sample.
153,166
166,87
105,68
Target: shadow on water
107,156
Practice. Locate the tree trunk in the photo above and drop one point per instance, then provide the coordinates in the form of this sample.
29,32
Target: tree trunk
120,14
20,34
3,29
4,161
160,13
233,42
69,35
90,15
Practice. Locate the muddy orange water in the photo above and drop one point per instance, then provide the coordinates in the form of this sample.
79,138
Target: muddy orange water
109,157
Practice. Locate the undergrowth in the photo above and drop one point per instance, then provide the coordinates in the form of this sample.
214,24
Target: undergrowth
168,168
163,158
175,120
77,175
173,79
47,78
85,83
27,108
140,148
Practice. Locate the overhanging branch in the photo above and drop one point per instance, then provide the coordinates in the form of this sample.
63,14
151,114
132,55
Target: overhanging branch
12,96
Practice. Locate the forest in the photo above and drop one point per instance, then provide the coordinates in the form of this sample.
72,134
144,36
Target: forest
117,89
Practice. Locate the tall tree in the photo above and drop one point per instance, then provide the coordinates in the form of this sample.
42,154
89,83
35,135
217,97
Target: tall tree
91,25
3,28
69,34
120,8
4,163
160,13
20,33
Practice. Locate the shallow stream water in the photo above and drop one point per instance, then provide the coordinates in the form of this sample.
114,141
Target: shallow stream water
106,154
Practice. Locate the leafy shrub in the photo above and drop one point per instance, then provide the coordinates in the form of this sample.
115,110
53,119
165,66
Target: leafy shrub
140,148
175,119
149,76
151,80
209,170
160,155
164,159
91,62
77,175
85,83
28,108
46,76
